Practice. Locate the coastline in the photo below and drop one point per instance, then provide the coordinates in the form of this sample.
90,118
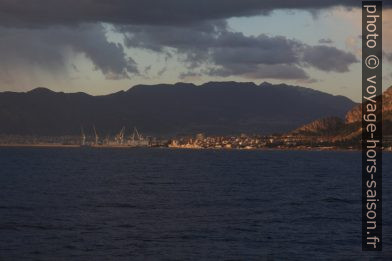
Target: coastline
75,146
54,145
43,145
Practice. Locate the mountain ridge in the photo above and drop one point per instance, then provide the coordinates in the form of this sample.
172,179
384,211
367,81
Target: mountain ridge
350,128
170,109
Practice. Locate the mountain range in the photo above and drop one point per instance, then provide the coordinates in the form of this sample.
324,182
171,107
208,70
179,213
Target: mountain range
165,110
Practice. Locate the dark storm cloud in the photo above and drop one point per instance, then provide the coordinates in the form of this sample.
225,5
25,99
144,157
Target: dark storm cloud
236,47
196,31
328,58
108,57
232,53
147,12
325,41
47,48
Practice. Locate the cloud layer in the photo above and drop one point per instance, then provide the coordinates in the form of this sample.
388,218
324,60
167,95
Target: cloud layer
228,53
48,48
43,32
147,12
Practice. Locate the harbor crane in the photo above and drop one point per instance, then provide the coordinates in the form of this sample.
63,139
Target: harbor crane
83,141
120,136
96,135
136,135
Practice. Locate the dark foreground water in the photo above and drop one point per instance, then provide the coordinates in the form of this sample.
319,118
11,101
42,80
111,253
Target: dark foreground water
159,204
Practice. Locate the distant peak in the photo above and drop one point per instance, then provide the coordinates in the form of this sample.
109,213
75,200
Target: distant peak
160,85
225,83
184,84
265,84
41,90
210,84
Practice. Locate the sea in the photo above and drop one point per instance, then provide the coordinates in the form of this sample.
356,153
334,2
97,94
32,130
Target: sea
172,204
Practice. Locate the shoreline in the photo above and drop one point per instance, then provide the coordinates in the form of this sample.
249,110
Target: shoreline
43,145
52,145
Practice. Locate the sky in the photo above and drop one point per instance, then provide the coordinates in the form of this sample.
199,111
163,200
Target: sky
102,46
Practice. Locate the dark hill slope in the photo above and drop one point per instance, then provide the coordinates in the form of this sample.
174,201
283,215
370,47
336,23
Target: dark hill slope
214,108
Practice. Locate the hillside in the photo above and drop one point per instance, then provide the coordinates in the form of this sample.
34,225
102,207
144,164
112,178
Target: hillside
351,127
182,108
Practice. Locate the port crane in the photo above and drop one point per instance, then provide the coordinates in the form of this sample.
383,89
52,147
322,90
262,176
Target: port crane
134,140
83,142
120,136
136,135
96,135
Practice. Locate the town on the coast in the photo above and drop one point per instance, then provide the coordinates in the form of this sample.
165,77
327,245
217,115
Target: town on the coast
135,139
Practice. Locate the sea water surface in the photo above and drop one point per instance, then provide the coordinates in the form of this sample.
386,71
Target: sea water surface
162,204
